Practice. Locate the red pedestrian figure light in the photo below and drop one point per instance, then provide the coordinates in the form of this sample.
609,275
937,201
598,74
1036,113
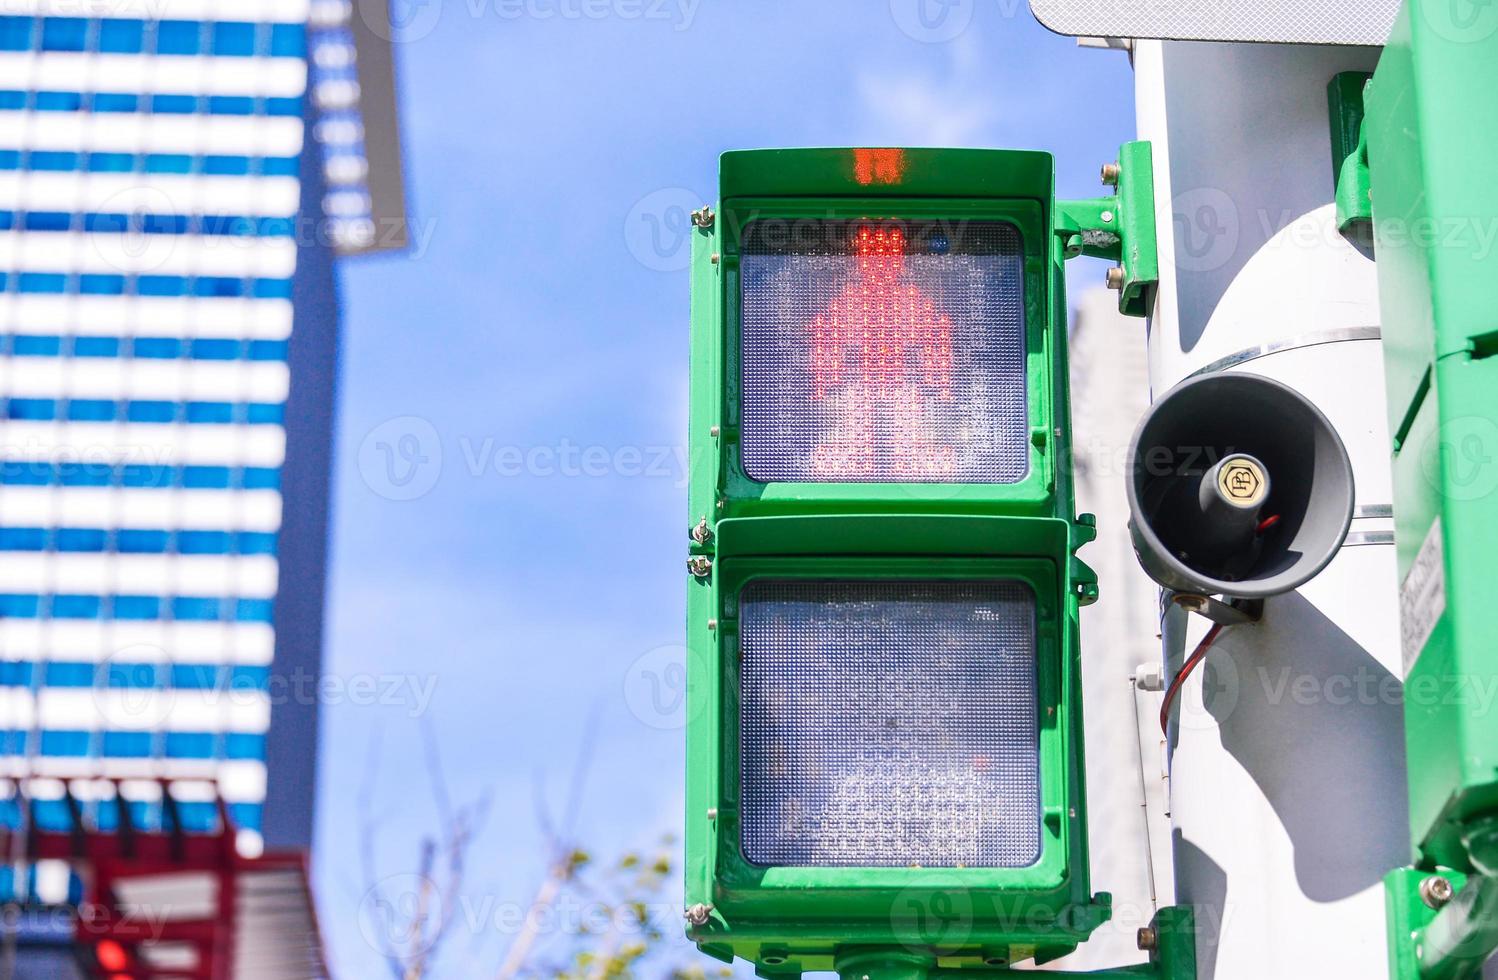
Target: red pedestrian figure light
881,354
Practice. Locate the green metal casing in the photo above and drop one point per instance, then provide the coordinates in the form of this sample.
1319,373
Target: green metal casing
1432,139
791,919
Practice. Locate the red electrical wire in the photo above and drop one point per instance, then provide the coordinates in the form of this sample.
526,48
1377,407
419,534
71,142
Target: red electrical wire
1197,656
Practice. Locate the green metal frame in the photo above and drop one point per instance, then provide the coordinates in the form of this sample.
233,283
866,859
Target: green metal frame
788,920
1431,134
1120,227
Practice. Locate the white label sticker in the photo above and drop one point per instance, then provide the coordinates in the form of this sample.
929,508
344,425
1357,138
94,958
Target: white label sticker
1422,597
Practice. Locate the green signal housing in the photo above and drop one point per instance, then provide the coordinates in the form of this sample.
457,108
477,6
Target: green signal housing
884,743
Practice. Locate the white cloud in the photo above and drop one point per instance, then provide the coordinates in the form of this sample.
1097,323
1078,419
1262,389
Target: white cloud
948,106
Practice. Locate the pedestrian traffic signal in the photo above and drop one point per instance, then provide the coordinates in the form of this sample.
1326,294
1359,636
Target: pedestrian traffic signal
884,735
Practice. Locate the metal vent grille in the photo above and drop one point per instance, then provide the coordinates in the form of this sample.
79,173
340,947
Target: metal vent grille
1280,21
883,352
889,724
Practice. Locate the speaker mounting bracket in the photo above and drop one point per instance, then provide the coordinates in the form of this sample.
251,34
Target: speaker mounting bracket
1233,612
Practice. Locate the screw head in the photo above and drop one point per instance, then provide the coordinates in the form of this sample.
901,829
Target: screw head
702,534
703,217
700,566
1110,174
1146,938
1115,277
1436,891
1107,216
698,914
713,258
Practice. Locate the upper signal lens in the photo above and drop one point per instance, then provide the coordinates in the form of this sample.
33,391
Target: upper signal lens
883,352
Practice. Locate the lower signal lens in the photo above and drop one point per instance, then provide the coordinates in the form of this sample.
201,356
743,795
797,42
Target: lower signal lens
889,724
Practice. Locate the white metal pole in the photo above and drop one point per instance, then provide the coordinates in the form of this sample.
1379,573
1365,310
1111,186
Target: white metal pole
1288,783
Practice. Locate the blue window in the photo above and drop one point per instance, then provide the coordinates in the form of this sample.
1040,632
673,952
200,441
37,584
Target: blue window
288,41
261,478
12,99
215,349
23,539
189,745
246,815
253,610
25,345
166,347
85,474
64,33
64,674
15,33
20,473
53,160
10,159
137,606
210,412
196,676
59,101
224,224
32,409
111,163
280,166
195,608
226,165
16,673
281,106
141,475
127,745
133,541
76,606
218,286
43,282
24,606
246,678
276,226
48,220
62,743
206,477
260,413
132,675
152,411
233,38
96,347
81,539
161,286
238,745
272,289
203,542
257,543
231,105
174,104
7,220
116,102
198,817
106,222
93,284
164,224
168,163
178,37
268,350
91,410
120,35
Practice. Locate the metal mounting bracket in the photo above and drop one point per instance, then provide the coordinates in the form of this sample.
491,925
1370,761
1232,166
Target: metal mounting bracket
1120,227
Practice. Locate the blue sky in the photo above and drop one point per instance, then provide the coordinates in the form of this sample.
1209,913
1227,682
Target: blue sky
510,516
